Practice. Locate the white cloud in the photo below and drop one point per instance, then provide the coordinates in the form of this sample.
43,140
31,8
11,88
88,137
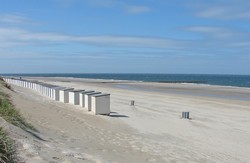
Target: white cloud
205,29
118,4
104,3
221,9
214,37
66,3
60,55
243,44
137,9
13,18
216,32
225,13
12,37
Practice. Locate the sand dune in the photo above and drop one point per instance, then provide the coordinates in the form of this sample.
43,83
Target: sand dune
150,131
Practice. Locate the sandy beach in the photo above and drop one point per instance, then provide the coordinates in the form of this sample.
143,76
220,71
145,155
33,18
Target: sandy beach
150,131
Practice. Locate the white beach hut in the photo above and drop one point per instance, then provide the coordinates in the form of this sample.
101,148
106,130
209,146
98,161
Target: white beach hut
11,81
39,88
50,90
56,93
35,86
82,98
100,104
28,84
87,98
46,89
74,97
64,94
43,89
22,83
8,80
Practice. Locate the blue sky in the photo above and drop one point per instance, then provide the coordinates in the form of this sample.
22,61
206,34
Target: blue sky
133,36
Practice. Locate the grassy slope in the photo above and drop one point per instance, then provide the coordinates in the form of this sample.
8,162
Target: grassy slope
8,111
7,148
13,116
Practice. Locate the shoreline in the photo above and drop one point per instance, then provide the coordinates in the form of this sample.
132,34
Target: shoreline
160,81
137,81
188,89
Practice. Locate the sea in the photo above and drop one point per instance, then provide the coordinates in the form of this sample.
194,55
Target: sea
208,79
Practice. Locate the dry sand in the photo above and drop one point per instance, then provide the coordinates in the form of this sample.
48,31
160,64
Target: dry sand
150,131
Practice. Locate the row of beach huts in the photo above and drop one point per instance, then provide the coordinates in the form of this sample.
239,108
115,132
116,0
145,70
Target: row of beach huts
96,102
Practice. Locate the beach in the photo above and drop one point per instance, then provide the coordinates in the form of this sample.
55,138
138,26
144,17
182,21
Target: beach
150,131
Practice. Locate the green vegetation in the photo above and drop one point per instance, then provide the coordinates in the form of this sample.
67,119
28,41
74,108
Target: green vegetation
9,113
13,116
7,150
5,84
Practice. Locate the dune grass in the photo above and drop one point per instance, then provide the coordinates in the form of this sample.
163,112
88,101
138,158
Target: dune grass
9,113
5,84
13,116
7,148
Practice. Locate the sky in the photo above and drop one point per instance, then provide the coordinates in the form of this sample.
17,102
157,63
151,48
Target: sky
125,36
